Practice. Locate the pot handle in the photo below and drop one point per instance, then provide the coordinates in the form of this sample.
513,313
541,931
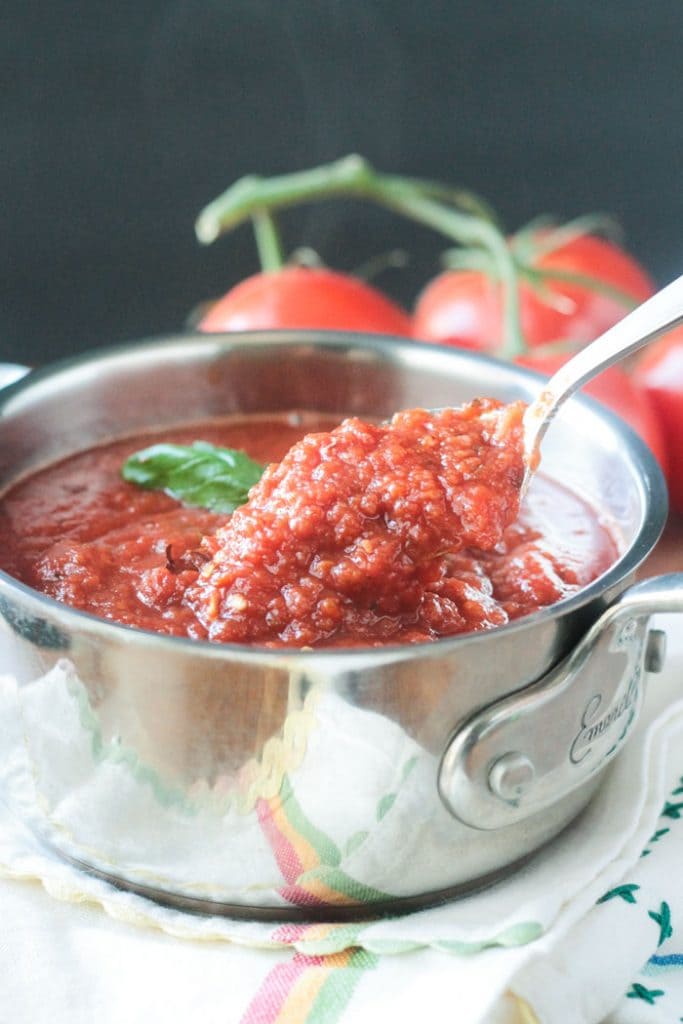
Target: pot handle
11,372
518,756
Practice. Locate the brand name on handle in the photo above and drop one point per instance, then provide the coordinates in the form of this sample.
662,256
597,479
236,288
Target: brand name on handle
594,726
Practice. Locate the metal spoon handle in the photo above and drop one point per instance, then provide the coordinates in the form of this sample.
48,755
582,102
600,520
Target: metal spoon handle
648,321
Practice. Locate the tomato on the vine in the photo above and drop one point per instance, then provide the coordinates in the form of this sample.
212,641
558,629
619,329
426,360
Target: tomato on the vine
659,373
571,287
620,393
573,291
305,297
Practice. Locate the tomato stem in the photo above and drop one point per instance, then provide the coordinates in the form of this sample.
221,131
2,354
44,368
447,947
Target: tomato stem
392,259
456,213
470,231
268,241
350,176
538,276
543,235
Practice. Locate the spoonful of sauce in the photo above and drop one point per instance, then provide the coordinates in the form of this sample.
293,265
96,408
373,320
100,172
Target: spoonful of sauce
659,314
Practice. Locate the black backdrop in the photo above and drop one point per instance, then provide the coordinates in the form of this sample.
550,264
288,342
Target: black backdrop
120,120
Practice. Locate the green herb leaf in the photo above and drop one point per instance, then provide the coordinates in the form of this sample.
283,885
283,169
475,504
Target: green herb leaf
199,474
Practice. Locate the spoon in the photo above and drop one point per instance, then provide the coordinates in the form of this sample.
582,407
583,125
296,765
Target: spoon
654,317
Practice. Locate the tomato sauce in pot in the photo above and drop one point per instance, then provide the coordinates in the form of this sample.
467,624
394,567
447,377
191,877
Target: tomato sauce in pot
363,534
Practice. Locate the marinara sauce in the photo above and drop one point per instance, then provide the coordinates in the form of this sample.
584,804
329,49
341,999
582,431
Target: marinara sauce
356,534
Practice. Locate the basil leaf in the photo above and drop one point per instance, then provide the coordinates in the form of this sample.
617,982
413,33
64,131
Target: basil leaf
199,474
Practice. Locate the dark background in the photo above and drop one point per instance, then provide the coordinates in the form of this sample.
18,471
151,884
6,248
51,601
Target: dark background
121,120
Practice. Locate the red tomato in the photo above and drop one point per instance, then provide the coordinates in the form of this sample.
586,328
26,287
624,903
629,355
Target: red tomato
659,373
303,297
463,307
619,392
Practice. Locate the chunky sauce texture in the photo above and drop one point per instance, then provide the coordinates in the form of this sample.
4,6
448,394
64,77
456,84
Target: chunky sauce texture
360,534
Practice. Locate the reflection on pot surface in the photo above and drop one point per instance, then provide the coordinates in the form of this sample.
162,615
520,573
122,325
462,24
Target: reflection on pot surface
284,840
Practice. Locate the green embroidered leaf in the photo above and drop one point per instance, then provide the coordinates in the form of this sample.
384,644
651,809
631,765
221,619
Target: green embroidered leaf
672,810
199,474
648,995
385,805
408,767
663,919
356,840
655,839
624,892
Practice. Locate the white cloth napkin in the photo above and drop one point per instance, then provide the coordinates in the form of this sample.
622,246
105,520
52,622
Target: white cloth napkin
536,946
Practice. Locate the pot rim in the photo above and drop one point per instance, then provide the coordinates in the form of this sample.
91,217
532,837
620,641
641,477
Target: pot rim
651,481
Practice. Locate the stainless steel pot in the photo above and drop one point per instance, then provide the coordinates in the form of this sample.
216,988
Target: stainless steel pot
316,783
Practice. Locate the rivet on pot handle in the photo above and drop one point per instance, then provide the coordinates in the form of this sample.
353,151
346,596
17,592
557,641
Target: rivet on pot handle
524,753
